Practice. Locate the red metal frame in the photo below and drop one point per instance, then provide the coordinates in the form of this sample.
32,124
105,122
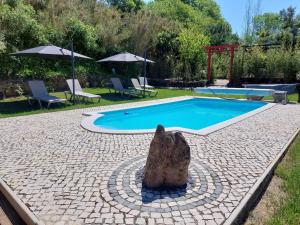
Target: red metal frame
219,49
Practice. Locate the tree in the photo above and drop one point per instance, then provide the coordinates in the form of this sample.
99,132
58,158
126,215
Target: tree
252,10
19,30
82,35
167,52
127,5
191,47
144,27
208,7
178,11
110,30
19,26
290,25
267,27
220,33
191,44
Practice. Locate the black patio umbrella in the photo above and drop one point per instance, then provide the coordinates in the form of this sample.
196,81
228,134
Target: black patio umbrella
54,52
129,58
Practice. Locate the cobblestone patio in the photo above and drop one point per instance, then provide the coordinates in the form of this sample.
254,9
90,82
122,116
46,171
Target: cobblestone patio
67,175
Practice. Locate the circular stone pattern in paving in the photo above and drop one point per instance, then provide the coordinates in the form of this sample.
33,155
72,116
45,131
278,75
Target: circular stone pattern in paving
125,187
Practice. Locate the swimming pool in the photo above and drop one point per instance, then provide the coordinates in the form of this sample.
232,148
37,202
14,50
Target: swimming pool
190,115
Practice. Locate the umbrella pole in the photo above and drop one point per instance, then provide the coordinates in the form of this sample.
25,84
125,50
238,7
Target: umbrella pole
145,74
73,70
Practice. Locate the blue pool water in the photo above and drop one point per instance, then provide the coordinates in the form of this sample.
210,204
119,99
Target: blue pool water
192,114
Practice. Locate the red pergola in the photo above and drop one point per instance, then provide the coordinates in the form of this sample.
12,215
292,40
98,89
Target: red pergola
219,49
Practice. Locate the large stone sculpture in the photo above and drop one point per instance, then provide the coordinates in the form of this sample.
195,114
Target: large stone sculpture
168,160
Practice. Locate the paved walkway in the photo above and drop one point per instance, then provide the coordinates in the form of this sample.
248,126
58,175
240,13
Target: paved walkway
66,174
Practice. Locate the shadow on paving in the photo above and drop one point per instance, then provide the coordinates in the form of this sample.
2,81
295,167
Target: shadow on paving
10,213
151,194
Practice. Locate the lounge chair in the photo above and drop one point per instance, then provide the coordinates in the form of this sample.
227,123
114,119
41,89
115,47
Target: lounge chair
143,81
138,87
40,93
118,87
79,92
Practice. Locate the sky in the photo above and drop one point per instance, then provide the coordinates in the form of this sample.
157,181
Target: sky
234,10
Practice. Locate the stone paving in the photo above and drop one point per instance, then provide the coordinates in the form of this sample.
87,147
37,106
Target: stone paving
67,175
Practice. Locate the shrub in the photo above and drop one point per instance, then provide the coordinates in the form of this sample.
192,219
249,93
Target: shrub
260,65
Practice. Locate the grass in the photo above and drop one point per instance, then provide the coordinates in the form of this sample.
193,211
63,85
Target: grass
19,106
289,172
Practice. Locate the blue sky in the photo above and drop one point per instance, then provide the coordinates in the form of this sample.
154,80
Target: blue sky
234,10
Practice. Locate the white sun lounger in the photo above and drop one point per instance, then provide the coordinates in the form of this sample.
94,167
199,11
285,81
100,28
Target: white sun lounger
40,93
118,87
138,87
143,81
79,92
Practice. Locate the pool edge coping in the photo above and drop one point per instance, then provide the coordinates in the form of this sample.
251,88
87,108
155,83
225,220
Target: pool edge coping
88,122
239,214
18,205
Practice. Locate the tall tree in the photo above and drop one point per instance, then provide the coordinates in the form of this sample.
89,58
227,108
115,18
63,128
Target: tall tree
208,7
220,33
252,10
191,47
143,27
267,28
179,11
291,24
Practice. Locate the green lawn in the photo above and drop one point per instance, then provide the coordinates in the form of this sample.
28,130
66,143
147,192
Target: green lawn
19,106
289,171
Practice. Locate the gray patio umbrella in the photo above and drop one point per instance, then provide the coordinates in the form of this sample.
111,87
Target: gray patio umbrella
129,58
54,52
125,57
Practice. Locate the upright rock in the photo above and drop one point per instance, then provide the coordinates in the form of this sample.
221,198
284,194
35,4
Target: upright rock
168,160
